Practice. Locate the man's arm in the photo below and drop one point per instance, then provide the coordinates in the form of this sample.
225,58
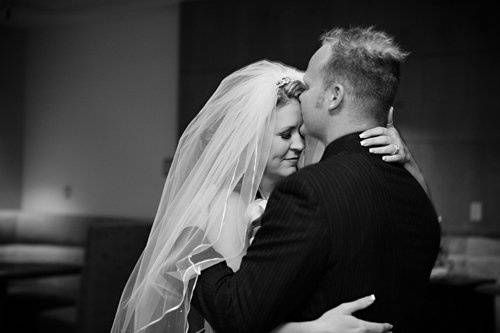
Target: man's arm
280,270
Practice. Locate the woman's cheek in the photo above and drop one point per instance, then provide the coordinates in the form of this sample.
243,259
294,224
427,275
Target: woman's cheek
286,146
278,152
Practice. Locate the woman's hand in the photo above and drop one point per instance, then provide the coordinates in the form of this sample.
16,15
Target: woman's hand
338,320
393,148
388,142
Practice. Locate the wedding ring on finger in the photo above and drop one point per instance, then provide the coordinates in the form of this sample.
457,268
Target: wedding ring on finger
396,149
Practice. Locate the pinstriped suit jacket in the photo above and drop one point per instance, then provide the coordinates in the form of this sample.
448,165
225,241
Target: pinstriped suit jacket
347,227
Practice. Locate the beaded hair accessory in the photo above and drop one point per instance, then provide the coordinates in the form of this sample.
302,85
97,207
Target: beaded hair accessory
283,82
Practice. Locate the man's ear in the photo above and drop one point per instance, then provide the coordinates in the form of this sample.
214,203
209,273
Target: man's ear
335,96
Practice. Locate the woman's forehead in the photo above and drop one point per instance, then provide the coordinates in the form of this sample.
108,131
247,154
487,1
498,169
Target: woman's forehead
289,114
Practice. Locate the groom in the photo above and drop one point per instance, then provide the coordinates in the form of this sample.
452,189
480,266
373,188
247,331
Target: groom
349,226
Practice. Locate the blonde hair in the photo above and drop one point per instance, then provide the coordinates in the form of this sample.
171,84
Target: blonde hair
288,92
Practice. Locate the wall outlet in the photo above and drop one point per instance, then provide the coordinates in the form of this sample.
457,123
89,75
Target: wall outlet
476,211
67,192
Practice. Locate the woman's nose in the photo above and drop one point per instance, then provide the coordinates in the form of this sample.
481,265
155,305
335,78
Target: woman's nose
297,143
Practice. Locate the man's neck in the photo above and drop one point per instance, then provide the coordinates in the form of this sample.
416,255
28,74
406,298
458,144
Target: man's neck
342,128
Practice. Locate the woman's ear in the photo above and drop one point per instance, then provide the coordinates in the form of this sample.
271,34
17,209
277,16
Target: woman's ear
335,95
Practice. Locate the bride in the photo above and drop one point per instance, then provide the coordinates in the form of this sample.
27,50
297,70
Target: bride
241,144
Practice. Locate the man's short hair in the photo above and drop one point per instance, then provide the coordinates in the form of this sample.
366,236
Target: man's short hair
367,62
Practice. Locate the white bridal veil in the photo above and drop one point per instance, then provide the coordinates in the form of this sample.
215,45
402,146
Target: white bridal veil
215,174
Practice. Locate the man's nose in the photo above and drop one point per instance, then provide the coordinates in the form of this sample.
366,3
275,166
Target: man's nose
301,130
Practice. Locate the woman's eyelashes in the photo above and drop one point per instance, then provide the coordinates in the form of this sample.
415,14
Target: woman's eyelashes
286,135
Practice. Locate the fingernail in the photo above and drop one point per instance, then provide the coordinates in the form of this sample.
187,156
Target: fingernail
363,143
362,135
371,150
390,326
372,297
384,158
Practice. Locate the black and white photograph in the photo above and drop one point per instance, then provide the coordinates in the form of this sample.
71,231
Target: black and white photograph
280,166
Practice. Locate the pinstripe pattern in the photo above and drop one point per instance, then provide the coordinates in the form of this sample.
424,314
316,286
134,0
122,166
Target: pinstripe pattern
347,227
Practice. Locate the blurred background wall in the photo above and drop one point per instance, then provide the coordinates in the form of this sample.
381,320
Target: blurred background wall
100,109
97,94
12,55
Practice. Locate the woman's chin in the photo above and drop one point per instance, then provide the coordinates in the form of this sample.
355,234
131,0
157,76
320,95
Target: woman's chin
289,171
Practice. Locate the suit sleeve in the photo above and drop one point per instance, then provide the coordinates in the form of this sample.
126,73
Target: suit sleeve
280,270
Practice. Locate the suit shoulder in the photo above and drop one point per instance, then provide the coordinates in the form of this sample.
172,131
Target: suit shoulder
339,172
337,167
304,177
299,184
309,180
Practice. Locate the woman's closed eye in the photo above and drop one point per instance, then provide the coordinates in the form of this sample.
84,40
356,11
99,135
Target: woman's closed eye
286,134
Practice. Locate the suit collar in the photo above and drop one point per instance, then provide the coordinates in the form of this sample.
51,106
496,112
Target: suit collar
346,143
